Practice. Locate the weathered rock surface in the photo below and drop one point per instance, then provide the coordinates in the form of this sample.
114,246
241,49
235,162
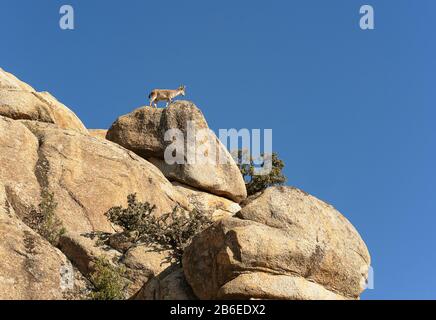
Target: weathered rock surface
169,285
88,176
280,235
214,206
143,264
208,166
18,158
147,259
30,268
20,101
83,251
278,287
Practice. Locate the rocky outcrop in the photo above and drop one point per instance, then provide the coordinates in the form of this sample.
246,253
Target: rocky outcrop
285,244
279,244
87,176
207,165
20,101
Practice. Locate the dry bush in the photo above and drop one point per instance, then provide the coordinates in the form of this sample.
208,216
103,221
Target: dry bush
172,231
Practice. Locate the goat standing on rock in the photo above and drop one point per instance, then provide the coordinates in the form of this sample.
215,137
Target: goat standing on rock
165,95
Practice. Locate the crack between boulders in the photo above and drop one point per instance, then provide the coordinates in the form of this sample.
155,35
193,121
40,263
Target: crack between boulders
41,166
232,212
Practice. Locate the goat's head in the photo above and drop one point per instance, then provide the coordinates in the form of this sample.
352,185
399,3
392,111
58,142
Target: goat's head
182,90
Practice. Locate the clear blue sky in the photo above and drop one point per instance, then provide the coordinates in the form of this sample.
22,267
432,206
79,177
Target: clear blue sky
352,111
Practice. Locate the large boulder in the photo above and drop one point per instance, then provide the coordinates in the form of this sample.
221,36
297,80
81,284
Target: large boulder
87,175
285,244
204,164
32,269
20,101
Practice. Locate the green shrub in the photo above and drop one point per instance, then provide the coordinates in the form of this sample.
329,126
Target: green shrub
255,183
43,219
108,281
172,231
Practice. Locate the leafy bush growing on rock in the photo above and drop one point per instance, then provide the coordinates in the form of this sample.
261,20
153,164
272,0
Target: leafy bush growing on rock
172,231
44,220
108,281
255,183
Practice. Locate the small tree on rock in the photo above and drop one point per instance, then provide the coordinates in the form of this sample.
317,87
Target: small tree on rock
255,182
172,231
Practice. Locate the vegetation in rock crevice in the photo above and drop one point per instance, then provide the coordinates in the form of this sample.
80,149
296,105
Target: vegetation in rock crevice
170,232
44,220
108,280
